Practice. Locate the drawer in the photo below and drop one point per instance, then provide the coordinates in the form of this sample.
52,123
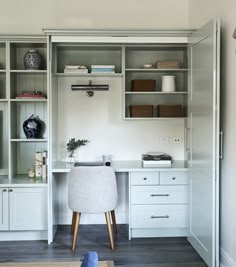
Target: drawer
159,194
173,178
144,178
159,216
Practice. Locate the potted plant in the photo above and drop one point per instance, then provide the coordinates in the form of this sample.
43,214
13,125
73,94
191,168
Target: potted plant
72,145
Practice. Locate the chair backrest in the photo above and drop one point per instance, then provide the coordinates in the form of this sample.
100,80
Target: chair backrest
92,189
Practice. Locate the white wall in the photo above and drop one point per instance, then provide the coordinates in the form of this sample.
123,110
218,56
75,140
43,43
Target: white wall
200,11
99,119
30,16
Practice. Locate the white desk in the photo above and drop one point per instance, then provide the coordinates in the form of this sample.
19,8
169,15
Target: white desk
154,201
123,166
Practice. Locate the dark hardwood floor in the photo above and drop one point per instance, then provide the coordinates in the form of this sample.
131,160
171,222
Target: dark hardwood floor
139,252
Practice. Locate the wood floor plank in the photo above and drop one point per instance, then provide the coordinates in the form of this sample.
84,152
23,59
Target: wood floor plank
139,252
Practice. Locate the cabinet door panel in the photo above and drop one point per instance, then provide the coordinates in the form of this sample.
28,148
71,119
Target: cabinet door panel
3,209
204,165
28,209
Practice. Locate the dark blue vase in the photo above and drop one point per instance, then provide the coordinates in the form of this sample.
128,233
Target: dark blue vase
32,127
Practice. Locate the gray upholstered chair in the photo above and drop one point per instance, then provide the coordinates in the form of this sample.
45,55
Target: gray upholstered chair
92,190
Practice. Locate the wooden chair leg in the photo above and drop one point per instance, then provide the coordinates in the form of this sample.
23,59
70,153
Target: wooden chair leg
108,220
73,222
113,217
76,227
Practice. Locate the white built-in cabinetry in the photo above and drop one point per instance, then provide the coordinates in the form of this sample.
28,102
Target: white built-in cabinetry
158,203
23,208
24,200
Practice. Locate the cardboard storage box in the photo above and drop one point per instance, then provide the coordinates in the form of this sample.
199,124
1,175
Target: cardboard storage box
143,85
141,111
170,111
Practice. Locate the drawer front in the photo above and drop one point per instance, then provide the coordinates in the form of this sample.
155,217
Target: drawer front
159,194
159,216
144,178
173,178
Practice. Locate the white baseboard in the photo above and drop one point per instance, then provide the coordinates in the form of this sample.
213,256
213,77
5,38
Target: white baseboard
226,260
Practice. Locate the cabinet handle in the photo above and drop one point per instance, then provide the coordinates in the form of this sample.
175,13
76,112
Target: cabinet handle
10,190
145,178
173,178
160,217
160,195
4,190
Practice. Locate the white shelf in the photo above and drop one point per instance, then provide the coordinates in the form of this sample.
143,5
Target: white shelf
157,93
2,71
28,140
90,74
156,70
155,118
28,71
29,100
21,180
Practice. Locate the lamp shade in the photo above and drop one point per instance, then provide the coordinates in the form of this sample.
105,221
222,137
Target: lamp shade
234,34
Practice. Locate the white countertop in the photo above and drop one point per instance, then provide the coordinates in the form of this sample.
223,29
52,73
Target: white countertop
123,166
21,180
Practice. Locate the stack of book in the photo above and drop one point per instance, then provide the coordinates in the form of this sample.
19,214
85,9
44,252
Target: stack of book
31,94
80,69
103,69
167,65
41,165
156,159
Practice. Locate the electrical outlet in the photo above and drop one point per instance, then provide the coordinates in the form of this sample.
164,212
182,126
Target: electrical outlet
164,140
177,140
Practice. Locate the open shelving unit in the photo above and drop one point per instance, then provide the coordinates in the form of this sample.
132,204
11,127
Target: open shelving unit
17,153
136,56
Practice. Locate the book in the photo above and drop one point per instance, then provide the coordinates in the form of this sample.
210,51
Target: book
84,71
156,163
102,66
44,165
38,165
75,67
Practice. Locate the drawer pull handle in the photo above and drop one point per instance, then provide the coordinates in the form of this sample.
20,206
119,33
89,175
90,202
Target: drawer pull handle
10,190
4,190
145,178
160,217
160,195
173,178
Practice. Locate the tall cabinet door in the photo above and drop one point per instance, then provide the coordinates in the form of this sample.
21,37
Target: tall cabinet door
204,159
3,209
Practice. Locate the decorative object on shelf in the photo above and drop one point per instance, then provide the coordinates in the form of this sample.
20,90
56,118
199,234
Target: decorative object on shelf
31,94
148,66
106,160
143,85
32,60
168,83
72,145
31,173
32,127
167,65
141,111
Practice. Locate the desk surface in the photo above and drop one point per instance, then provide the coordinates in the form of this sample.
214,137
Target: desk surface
123,166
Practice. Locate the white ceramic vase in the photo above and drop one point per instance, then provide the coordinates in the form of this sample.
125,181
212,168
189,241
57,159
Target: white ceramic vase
168,83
